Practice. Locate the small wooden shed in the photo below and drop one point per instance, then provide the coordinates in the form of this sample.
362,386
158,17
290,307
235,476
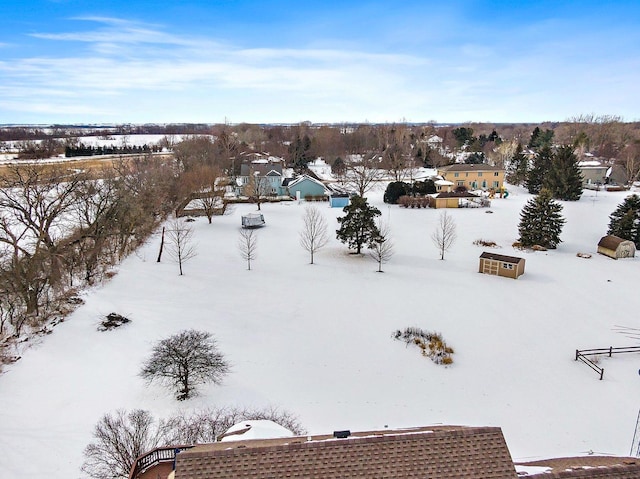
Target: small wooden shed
616,247
501,265
452,199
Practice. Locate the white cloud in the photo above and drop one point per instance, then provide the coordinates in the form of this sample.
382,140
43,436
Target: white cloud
121,64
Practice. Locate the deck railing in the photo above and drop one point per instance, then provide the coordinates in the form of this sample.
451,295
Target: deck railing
154,457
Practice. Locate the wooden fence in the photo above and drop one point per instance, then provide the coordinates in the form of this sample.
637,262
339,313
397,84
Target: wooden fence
583,355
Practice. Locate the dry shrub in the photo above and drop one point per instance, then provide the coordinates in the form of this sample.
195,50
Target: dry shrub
431,344
485,243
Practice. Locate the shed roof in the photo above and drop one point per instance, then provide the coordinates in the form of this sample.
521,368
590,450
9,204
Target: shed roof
446,452
456,194
611,242
501,257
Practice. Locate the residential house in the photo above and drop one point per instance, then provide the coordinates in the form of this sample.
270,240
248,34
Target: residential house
616,247
306,187
597,172
501,265
445,452
267,172
472,176
593,172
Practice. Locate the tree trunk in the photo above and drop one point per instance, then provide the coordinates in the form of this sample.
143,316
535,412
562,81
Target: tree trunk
161,246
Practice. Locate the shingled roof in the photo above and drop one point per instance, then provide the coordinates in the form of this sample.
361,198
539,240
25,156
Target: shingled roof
587,467
443,452
610,242
501,257
469,167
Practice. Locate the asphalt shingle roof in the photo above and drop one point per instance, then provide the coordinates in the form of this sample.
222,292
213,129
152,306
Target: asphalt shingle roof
444,452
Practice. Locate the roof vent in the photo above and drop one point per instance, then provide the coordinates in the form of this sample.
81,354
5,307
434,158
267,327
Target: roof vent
341,434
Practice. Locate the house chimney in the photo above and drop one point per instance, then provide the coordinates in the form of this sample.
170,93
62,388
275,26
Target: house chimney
341,434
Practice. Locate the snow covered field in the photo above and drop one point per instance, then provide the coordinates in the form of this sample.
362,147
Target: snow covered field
316,339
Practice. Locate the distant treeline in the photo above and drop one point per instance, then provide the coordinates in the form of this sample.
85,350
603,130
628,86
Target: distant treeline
84,150
21,133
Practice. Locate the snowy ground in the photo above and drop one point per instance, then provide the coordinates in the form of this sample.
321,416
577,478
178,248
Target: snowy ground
316,339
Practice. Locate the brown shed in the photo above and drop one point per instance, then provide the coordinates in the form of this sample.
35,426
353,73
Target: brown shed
501,265
451,199
616,247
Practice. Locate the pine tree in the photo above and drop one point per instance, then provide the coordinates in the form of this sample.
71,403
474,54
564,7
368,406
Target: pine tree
518,167
540,139
539,170
358,227
625,220
541,222
564,179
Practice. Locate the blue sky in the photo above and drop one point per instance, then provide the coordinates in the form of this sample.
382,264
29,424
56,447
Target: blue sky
79,61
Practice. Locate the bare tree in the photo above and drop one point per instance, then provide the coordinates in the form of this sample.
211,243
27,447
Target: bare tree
35,200
204,184
180,247
631,161
118,440
381,247
184,361
209,425
248,245
257,188
363,174
314,232
445,234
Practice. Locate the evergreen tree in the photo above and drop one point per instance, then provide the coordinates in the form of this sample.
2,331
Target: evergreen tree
541,222
358,227
539,170
625,220
564,179
463,136
540,139
299,149
518,167
395,190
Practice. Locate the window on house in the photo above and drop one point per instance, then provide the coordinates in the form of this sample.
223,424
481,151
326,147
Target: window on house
496,184
461,183
484,184
466,175
507,266
479,174
455,175
496,174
